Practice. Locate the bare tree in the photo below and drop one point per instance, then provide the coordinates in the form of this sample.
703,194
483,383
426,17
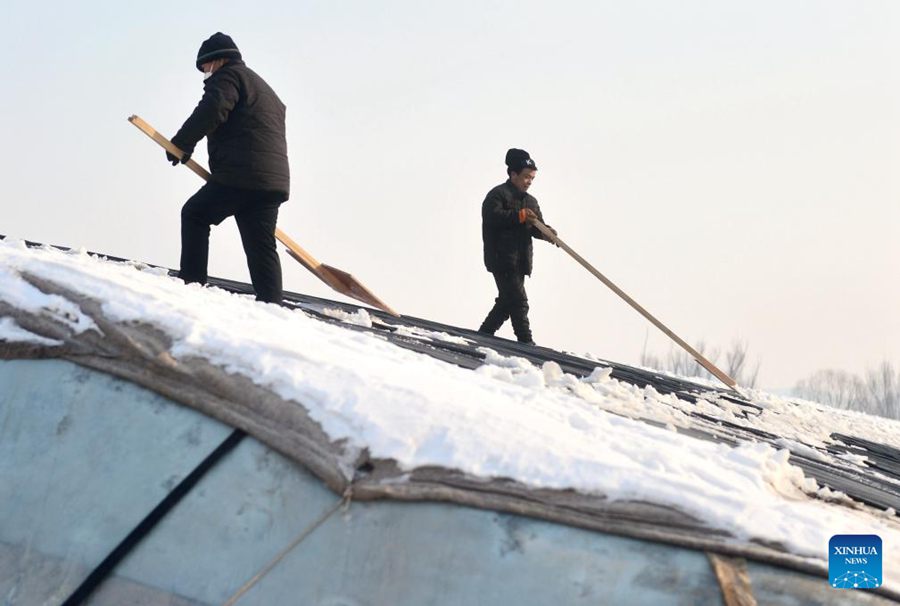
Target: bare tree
680,362
877,393
833,387
739,367
883,390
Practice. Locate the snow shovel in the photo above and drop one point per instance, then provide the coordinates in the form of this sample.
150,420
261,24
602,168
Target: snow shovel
694,353
337,279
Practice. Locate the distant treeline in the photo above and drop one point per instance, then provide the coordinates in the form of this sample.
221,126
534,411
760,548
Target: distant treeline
876,392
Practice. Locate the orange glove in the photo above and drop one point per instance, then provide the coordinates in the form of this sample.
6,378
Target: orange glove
526,215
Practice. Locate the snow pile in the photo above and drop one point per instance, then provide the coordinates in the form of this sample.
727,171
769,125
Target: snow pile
415,332
509,418
360,318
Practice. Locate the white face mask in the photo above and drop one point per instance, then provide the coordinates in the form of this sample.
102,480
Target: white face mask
206,75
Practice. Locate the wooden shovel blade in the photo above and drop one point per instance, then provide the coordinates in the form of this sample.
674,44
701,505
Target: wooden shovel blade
352,287
344,283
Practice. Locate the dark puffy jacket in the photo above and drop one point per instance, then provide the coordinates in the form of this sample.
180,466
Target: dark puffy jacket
243,121
507,243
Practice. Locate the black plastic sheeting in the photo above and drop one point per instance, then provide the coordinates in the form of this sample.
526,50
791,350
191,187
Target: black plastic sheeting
877,483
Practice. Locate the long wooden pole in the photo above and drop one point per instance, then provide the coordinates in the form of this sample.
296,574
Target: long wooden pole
712,368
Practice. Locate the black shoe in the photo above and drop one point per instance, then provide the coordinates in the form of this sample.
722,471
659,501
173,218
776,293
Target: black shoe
532,343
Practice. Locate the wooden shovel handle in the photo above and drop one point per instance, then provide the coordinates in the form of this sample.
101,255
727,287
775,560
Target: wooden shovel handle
712,368
168,146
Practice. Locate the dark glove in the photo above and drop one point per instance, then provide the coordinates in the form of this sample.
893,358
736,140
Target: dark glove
174,159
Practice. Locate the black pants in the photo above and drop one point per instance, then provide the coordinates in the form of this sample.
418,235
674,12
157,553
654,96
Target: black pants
256,213
512,303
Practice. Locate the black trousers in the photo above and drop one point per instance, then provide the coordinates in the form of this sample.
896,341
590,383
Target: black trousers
512,303
256,213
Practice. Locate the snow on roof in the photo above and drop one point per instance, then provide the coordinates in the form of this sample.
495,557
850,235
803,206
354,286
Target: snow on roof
509,418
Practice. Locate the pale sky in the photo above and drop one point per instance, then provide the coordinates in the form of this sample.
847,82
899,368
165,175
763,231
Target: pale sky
730,165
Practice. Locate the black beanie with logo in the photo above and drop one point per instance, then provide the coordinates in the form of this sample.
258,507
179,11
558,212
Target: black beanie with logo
217,46
518,159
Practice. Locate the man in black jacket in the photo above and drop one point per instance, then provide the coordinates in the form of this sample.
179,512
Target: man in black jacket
507,217
243,121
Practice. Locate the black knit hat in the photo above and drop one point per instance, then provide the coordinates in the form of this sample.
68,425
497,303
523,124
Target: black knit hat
217,46
518,159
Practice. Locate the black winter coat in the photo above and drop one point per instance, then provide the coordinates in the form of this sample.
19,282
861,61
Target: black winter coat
243,121
507,242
